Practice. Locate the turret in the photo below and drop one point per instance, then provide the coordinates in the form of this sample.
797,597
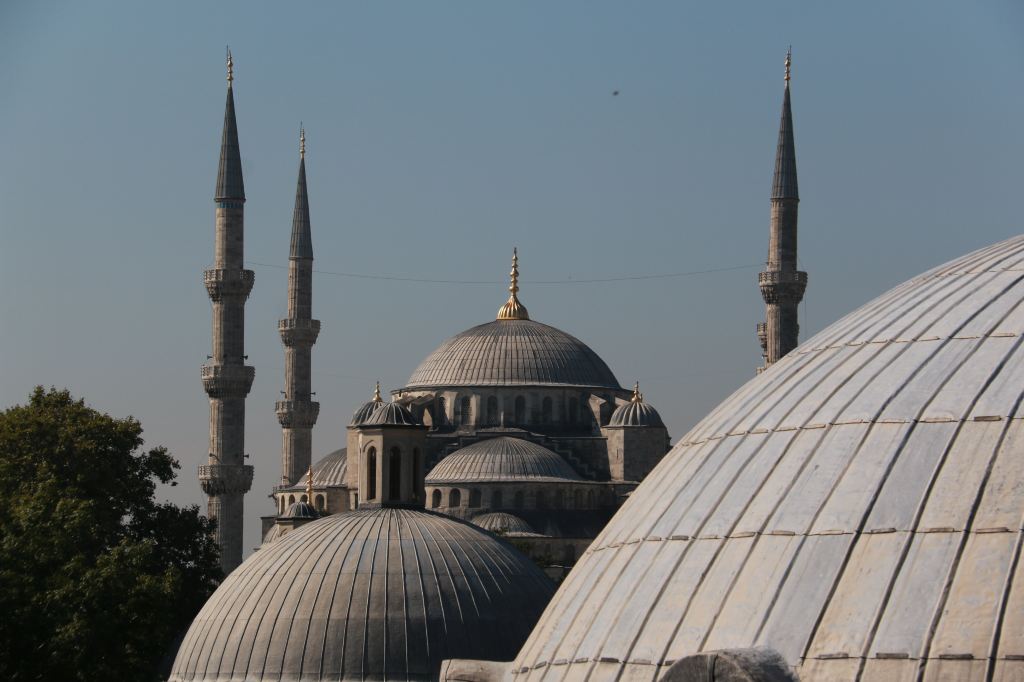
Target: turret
637,439
297,412
226,378
782,284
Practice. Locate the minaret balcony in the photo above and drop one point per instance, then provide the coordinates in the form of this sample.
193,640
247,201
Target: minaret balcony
223,479
296,332
297,414
223,283
228,381
782,286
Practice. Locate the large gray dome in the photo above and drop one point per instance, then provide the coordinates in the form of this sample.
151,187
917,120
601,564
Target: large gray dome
501,459
509,353
369,595
856,507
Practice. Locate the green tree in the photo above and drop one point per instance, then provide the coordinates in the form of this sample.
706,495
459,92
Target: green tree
97,578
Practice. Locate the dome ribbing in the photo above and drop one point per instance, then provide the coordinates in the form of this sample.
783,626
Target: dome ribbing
856,507
512,352
367,595
502,459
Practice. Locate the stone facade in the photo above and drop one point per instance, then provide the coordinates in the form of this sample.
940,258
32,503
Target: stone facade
226,378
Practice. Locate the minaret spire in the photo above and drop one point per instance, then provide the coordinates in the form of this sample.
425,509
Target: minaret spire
782,284
226,378
298,412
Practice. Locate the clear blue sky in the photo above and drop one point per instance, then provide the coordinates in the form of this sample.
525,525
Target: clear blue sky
443,134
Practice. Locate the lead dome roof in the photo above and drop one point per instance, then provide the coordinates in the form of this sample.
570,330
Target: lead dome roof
502,459
511,353
331,471
371,594
856,507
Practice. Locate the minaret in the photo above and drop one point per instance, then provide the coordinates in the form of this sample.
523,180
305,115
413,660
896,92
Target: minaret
297,412
226,377
782,285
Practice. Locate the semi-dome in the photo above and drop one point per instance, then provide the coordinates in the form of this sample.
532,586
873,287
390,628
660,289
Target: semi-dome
511,352
502,523
368,595
636,412
391,414
856,507
501,459
331,471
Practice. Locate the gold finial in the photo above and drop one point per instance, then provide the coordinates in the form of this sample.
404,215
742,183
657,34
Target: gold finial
789,61
376,394
638,397
231,68
309,486
513,309
302,141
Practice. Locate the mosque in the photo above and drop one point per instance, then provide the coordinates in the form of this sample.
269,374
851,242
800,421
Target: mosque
854,512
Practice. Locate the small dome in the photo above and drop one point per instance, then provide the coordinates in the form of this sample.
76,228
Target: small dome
856,506
502,523
367,409
392,414
513,352
301,510
329,472
636,413
502,459
382,594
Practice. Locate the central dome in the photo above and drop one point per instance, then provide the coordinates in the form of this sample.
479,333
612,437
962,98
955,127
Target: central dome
510,352
381,594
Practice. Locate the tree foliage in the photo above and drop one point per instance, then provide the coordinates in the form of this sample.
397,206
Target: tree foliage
97,578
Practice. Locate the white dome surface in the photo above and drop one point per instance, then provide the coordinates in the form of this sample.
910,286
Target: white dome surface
856,507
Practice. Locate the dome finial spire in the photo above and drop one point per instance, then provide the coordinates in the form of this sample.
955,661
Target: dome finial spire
302,141
638,397
513,309
376,394
231,68
309,486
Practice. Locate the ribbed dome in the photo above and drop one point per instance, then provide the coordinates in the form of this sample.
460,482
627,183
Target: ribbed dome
502,523
502,459
331,471
301,510
635,413
364,412
510,353
856,507
391,414
368,595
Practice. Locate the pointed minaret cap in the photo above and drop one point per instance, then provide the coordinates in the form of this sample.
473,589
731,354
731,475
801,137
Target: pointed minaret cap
784,184
302,239
513,309
229,173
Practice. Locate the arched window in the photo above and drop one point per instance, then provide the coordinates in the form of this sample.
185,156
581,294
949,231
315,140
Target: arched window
319,503
291,500
492,411
395,475
496,499
282,504
474,498
435,499
545,411
542,501
371,474
454,498
417,473
520,409
303,499
465,410
574,410
517,500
